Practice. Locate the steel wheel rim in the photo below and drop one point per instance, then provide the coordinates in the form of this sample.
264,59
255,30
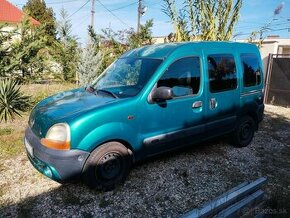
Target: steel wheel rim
109,166
246,132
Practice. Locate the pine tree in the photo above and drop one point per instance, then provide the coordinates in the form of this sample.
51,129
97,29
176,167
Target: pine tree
5,51
66,48
27,51
144,37
39,11
90,65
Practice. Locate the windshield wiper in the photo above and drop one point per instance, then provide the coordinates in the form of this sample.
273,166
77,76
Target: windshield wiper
91,89
107,92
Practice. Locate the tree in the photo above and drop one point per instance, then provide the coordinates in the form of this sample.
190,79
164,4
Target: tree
144,37
39,11
95,39
89,65
203,19
27,51
114,44
66,48
5,51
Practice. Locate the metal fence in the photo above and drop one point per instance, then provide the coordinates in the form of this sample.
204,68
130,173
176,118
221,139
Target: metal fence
277,89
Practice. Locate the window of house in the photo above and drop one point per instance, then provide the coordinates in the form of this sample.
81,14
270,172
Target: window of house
222,72
251,69
183,76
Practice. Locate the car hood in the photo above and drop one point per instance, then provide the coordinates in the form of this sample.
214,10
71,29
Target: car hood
64,106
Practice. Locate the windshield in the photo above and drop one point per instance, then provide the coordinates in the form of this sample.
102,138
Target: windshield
126,77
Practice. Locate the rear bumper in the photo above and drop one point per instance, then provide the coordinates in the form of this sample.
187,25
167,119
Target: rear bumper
61,166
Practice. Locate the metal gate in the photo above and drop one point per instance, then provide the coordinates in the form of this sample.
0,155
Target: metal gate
277,89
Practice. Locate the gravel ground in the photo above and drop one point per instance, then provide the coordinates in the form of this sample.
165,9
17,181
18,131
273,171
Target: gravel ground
164,186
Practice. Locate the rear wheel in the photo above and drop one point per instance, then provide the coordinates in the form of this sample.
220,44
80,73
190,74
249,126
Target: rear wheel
107,166
244,132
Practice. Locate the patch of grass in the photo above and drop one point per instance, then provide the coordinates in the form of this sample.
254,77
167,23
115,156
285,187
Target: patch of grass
5,131
40,91
11,144
39,96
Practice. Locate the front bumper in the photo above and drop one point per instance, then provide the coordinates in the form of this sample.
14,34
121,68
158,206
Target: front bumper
61,166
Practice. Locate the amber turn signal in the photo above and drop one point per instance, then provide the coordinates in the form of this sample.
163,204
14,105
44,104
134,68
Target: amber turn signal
55,144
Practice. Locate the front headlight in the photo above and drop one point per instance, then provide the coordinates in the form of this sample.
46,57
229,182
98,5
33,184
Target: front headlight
57,137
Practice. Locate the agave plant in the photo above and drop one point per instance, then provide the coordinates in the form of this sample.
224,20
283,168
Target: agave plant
12,100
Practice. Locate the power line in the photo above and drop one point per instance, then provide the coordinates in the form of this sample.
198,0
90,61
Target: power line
84,19
112,13
55,3
62,2
270,30
79,9
257,27
272,24
125,6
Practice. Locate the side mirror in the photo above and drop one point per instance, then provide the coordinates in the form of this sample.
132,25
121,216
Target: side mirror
162,93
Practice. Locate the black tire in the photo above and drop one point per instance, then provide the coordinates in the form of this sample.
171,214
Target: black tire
244,131
107,166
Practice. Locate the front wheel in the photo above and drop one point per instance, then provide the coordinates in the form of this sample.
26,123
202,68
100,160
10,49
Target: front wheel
107,166
244,132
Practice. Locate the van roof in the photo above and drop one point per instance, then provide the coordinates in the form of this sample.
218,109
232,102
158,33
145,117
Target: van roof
164,50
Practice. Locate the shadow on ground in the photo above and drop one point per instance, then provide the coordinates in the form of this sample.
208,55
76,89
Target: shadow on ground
173,183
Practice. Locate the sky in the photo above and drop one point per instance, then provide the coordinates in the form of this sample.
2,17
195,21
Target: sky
122,14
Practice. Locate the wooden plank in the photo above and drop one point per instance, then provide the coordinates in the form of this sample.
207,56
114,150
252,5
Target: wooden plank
224,201
244,206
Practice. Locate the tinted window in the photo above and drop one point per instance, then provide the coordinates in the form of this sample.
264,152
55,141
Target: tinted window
183,76
252,69
222,72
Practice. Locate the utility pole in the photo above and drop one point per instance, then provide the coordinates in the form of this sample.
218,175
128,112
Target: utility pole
139,15
93,14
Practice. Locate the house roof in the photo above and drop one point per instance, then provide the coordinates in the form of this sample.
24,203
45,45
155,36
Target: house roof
11,14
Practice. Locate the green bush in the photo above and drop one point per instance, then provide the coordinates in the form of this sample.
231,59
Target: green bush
12,100
5,131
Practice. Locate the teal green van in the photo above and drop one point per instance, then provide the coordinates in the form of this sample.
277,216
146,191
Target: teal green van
151,100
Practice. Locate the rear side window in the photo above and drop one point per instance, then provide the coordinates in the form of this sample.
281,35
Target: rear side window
222,72
251,69
183,76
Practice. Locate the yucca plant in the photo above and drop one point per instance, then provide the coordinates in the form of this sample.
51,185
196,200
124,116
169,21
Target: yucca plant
12,100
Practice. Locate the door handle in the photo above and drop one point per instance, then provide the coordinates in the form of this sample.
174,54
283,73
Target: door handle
197,104
213,103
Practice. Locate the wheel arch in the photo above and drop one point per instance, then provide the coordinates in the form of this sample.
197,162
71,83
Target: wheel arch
123,142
